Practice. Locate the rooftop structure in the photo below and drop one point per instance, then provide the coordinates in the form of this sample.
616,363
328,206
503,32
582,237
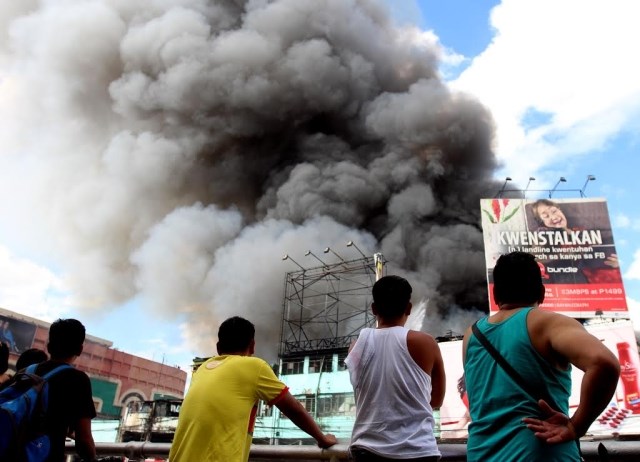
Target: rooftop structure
325,307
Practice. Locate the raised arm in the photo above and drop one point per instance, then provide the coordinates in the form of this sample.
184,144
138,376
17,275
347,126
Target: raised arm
299,416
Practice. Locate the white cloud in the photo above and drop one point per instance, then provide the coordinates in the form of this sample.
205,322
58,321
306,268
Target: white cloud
621,221
170,351
30,289
624,221
634,269
634,311
559,77
429,40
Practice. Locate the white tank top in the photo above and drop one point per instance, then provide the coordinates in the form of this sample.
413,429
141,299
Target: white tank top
393,395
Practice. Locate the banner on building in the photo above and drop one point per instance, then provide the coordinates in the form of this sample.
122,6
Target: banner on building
573,243
18,335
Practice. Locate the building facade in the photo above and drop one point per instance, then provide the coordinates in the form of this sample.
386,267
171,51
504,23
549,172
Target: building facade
117,378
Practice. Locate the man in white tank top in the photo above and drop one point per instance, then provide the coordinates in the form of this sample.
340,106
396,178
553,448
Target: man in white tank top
398,379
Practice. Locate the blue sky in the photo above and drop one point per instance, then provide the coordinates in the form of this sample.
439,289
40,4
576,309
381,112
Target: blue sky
560,79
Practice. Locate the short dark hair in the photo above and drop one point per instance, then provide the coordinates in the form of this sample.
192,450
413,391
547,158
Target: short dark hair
517,279
66,337
391,295
29,357
235,335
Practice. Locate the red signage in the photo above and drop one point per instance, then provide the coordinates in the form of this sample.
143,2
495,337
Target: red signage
573,243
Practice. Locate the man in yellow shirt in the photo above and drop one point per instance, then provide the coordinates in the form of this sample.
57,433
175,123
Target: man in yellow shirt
218,414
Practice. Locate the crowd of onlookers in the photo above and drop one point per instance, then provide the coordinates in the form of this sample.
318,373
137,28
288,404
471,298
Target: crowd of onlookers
517,364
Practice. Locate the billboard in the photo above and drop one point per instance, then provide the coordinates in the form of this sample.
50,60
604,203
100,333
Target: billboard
621,417
18,335
573,243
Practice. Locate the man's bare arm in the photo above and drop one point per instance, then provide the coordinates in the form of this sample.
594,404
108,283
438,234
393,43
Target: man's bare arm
426,353
85,446
438,379
299,416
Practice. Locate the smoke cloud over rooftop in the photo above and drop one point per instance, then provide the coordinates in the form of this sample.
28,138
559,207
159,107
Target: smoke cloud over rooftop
174,150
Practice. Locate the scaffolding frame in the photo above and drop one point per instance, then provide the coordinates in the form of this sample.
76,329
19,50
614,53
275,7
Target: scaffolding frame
325,307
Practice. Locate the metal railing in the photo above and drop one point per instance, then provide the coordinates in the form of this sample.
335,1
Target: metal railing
451,452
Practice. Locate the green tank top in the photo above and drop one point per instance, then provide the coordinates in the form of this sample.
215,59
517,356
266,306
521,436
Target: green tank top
497,404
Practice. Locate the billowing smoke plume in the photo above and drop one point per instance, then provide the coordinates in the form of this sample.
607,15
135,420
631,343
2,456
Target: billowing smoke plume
176,149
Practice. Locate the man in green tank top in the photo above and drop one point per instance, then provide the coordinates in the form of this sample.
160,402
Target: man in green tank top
507,424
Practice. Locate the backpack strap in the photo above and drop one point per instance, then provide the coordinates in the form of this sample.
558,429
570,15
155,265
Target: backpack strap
43,398
32,370
55,370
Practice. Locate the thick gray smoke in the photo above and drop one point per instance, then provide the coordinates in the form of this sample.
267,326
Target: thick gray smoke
176,149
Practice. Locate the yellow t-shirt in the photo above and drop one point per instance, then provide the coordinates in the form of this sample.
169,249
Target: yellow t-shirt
218,414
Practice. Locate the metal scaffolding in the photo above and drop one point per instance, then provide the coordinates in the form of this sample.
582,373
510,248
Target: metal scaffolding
325,307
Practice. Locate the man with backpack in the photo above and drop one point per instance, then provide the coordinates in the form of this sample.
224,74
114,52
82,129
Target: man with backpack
69,404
